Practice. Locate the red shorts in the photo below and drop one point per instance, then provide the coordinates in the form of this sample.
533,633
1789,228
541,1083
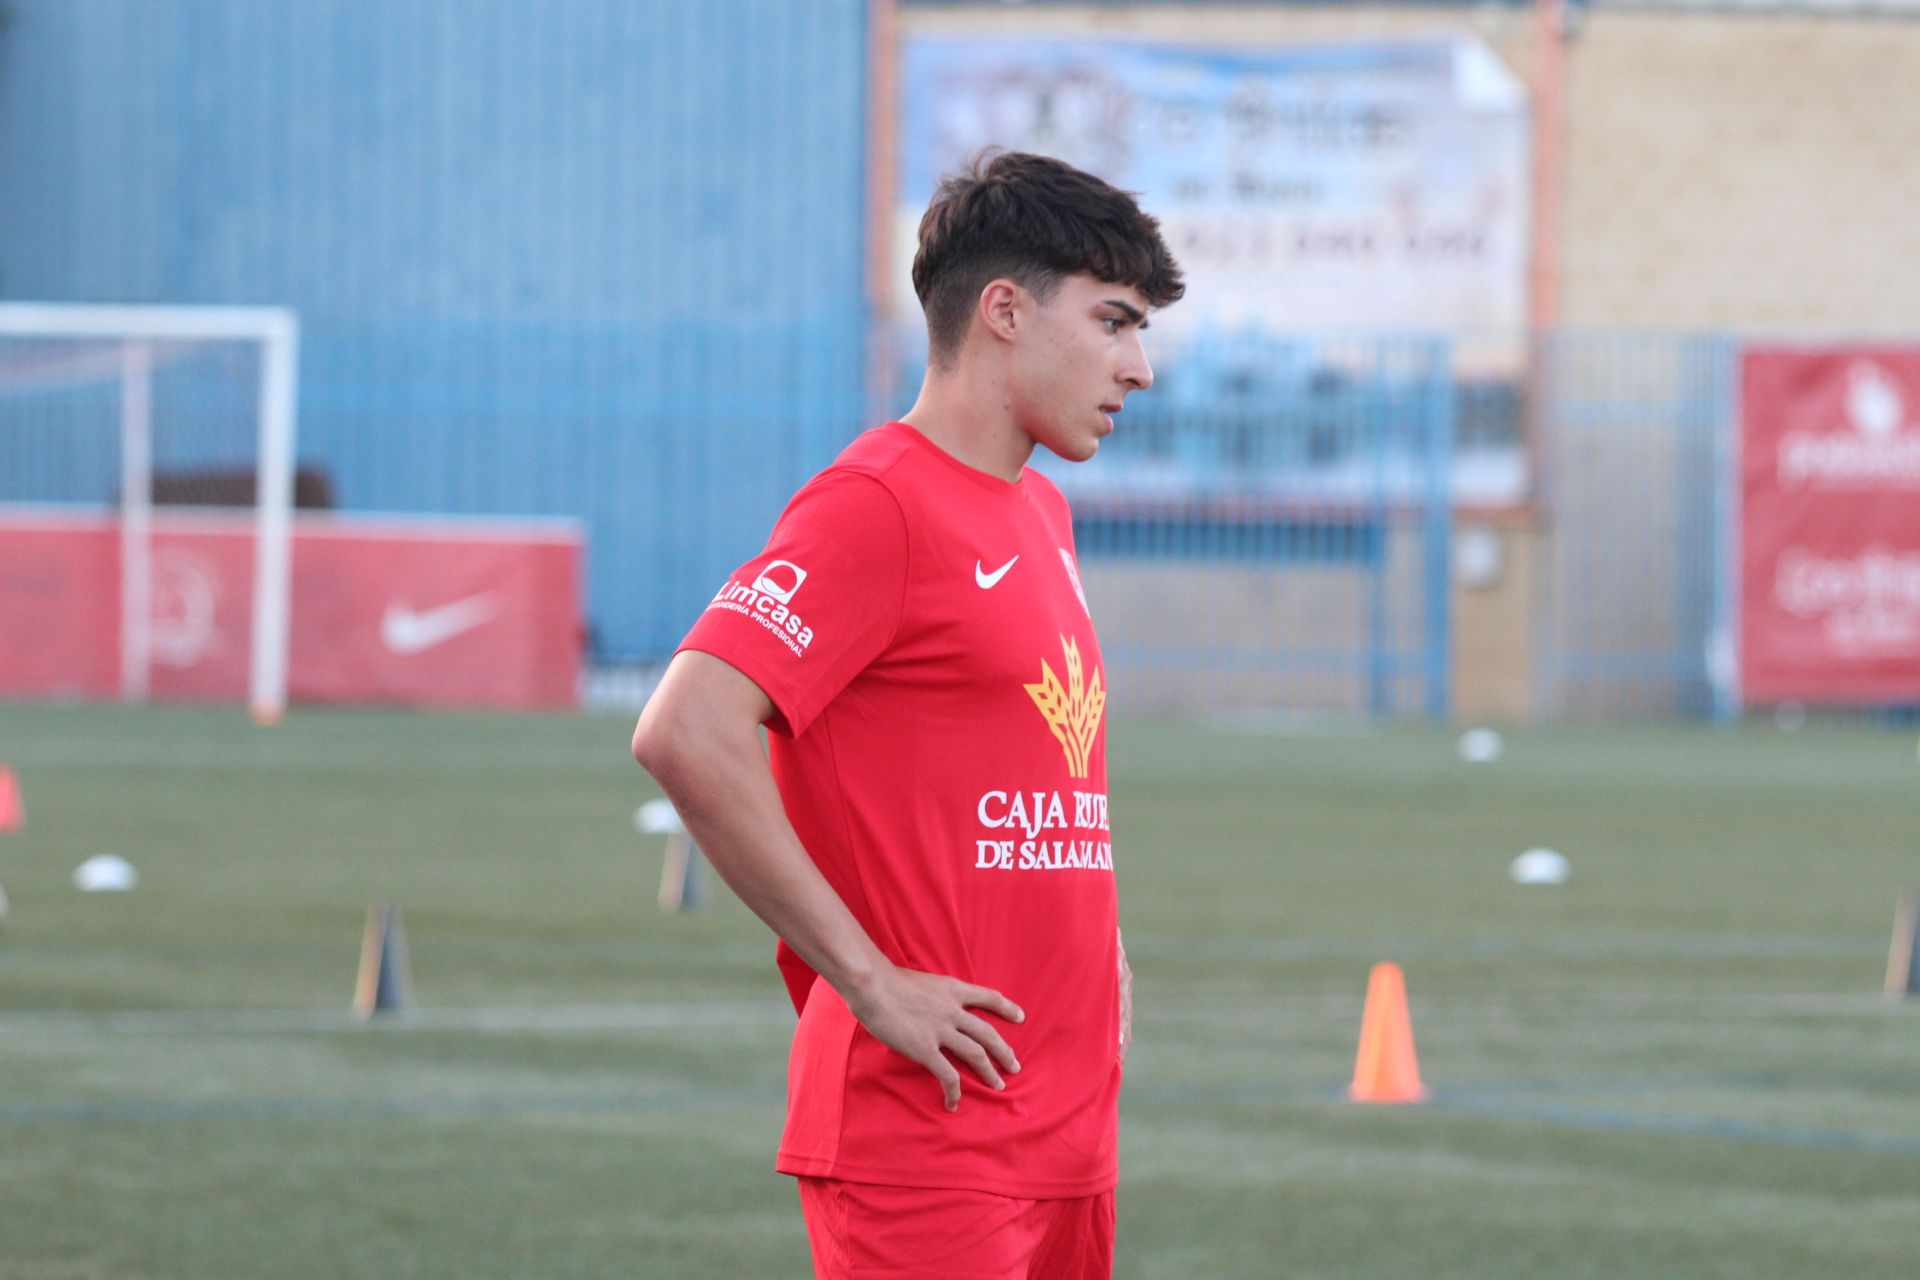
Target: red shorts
860,1231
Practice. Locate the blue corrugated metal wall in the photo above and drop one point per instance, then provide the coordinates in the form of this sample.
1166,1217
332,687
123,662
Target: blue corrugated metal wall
551,258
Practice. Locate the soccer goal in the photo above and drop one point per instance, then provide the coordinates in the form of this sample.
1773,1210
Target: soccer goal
118,424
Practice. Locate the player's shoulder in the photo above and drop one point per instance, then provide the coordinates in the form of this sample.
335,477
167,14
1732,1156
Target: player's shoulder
864,469
879,453
916,474
856,488
886,464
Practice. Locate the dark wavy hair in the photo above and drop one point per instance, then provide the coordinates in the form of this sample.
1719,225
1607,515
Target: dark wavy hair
1033,220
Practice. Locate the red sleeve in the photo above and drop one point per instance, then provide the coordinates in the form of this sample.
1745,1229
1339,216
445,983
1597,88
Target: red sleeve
821,602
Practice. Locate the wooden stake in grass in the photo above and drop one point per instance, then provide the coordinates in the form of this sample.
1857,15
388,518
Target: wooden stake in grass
1903,960
386,980
680,869
680,874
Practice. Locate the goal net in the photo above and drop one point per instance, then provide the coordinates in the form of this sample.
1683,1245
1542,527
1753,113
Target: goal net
138,446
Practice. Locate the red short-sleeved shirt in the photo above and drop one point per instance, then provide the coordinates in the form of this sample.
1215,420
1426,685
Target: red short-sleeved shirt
940,747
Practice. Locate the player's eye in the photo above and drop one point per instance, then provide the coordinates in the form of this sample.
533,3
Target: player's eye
1112,323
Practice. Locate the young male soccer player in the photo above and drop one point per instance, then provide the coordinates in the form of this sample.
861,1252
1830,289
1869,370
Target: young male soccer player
927,832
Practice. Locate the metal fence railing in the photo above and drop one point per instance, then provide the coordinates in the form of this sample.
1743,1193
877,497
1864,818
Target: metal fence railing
1283,548
1636,435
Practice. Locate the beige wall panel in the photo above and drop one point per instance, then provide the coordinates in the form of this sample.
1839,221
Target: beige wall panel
1208,635
1744,172
1493,628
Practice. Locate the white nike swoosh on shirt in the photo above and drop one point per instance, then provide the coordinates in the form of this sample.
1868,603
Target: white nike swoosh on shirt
405,631
987,580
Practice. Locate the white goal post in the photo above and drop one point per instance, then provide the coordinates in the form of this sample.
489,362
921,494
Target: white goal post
135,329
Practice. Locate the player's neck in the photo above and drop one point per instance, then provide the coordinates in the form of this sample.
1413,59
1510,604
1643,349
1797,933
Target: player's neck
971,420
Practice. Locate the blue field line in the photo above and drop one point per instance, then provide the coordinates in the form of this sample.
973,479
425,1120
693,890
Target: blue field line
1466,1103
1620,1120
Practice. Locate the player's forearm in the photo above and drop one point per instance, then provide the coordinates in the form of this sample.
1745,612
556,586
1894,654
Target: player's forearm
724,792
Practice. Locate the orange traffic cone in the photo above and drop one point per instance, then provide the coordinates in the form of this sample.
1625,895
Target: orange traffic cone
1386,1070
13,810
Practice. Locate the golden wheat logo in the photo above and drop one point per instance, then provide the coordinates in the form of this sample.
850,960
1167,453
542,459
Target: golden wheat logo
1073,710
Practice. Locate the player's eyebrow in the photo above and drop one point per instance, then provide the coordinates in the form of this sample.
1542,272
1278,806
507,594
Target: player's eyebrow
1132,312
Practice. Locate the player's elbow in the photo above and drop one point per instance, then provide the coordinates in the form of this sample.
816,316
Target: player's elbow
667,740
653,743
702,721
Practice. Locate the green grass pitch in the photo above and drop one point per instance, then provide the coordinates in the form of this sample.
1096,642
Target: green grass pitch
1678,1064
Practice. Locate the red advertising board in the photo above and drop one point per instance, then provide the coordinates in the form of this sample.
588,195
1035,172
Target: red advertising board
59,607
1830,525
432,614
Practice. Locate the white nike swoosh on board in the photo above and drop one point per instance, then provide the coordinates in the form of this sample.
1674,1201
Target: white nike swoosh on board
987,580
405,631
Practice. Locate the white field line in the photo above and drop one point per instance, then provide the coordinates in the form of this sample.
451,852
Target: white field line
501,1018
760,1015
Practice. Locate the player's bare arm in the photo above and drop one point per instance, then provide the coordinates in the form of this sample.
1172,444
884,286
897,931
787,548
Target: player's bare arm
699,737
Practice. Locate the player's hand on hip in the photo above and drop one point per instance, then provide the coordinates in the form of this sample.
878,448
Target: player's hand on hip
928,1018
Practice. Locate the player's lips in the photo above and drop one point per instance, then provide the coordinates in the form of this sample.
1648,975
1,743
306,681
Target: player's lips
1106,415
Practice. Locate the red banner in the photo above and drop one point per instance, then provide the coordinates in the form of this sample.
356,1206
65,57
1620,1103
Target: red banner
1830,525
434,614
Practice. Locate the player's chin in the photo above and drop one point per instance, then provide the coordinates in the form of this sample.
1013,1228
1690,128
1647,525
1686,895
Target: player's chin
1074,448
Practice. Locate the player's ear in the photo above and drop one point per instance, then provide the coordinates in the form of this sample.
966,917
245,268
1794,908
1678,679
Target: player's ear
1000,308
